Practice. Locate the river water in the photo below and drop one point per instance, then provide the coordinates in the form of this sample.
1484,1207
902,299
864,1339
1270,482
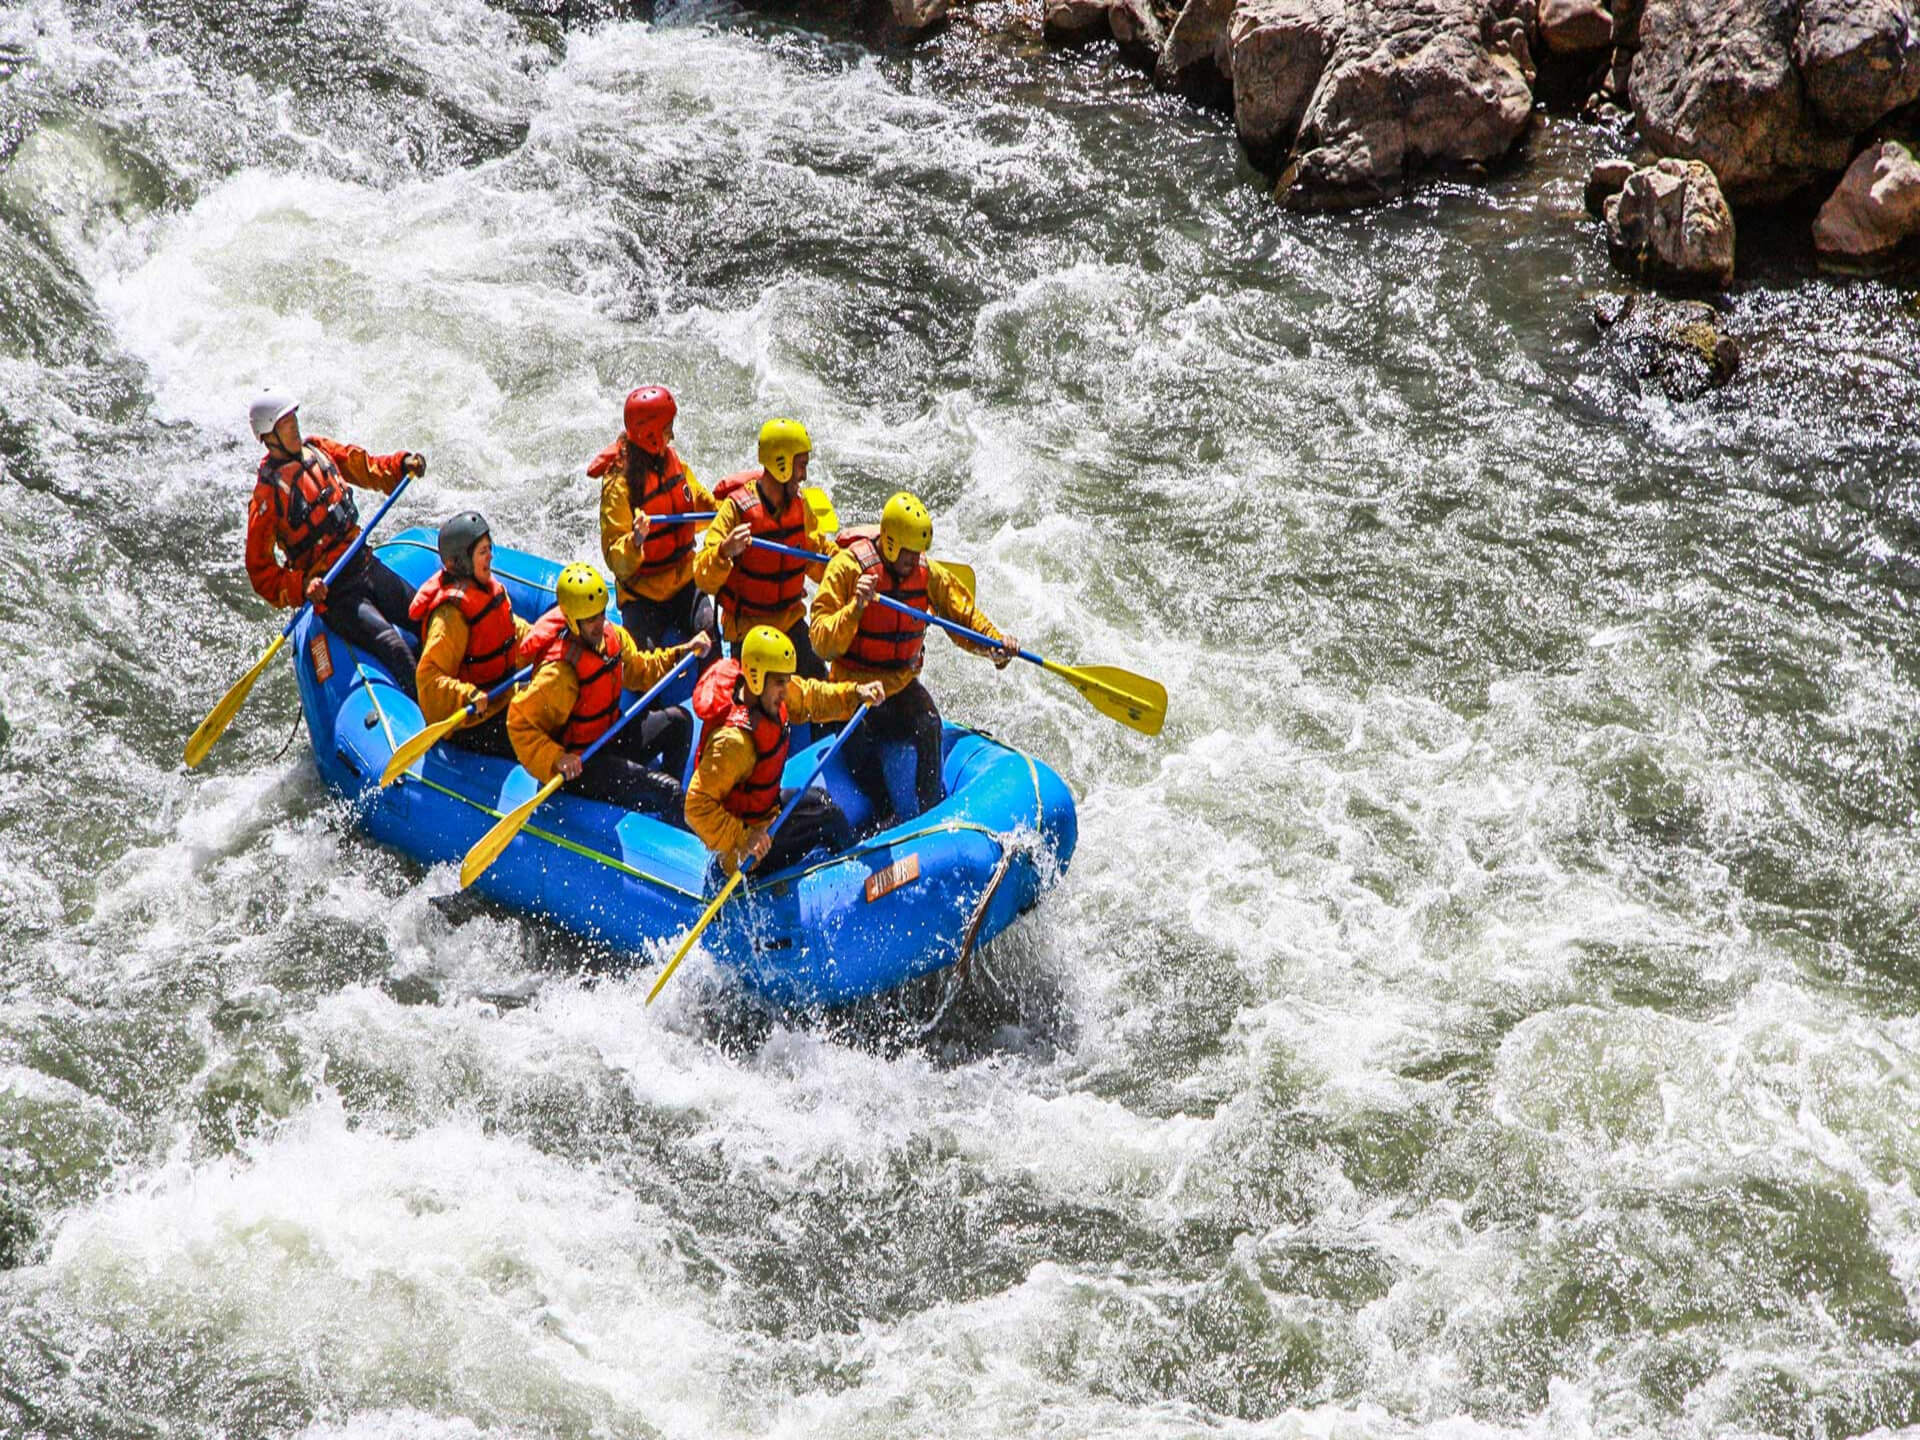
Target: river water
1487,1010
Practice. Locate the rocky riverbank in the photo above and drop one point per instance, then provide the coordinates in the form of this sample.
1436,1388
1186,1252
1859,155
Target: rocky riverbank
1734,104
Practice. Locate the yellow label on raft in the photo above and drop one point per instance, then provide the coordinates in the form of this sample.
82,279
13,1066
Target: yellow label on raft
885,882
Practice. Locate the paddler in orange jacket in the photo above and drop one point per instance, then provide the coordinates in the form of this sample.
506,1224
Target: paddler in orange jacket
756,586
301,504
746,705
644,481
865,641
574,697
471,635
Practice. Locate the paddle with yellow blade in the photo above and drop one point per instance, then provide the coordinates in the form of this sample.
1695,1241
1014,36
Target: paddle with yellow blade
420,744
1133,700
741,874
487,848
221,716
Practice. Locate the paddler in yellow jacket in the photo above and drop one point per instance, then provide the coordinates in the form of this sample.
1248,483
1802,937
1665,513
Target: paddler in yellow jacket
574,696
644,484
755,586
746,705
471,635
866,641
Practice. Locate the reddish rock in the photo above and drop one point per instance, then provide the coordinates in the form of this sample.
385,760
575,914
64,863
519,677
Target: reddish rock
1670,224
1859,59
1714,80
1575,27
1876,207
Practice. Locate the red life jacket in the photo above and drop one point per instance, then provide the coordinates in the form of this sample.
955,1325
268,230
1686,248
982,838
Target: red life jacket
317,518
763,584
886,639
488,611
716,700
598,672
658,490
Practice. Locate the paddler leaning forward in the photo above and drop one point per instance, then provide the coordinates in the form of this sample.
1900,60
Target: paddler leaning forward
582,661
746,706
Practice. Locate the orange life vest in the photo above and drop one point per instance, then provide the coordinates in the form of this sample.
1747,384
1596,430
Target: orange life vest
658,489
488,611
598,672
886,639
716,700
764,584
317,517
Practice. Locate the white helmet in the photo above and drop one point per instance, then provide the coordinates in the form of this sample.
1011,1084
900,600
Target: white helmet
267,409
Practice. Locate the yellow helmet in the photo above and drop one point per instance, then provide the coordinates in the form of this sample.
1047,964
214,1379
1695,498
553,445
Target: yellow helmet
780,441
766,652
582,594
905,525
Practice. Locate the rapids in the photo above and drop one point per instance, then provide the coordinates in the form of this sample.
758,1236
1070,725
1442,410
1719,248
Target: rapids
1487,1010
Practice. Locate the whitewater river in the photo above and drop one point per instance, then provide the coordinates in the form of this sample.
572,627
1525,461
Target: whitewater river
1487,1010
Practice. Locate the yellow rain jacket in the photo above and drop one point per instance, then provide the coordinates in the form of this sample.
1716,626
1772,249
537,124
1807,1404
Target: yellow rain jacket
834,622
437,676
541,708
727,757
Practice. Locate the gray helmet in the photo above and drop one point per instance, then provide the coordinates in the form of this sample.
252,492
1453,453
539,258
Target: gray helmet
457,539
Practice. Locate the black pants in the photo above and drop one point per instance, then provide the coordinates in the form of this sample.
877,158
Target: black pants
622,775
909,715
367,606
489,737
812,667
650,622
816,822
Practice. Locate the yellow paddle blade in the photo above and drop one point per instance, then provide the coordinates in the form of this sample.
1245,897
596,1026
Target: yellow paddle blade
404,757
487,848
215,725
824,518
694,934
1121,695
962,573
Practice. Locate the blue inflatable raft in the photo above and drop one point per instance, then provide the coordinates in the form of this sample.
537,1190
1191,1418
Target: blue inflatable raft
909,901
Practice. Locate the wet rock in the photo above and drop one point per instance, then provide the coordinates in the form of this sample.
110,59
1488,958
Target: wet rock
1670,224
1075,21
1410,85
916,17
1140,29
1859,59
1714,80
1608,179
1876,207
1277,51
1575,27
1675,344
1195,60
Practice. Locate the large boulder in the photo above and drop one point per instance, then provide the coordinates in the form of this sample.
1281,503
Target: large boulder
1410,85
1277,50
1859,59
1671,225
1575,27
1677,345
1196,59
1876,207
1714,80
1074,21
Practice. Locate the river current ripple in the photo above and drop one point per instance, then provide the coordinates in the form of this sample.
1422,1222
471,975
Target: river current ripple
1487,1010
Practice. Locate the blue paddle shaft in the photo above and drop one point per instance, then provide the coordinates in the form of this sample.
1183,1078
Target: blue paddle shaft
351,550
473,706
928,616
685,519
800,794
636,707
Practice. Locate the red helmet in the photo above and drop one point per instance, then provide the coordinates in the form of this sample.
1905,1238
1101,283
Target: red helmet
650,412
